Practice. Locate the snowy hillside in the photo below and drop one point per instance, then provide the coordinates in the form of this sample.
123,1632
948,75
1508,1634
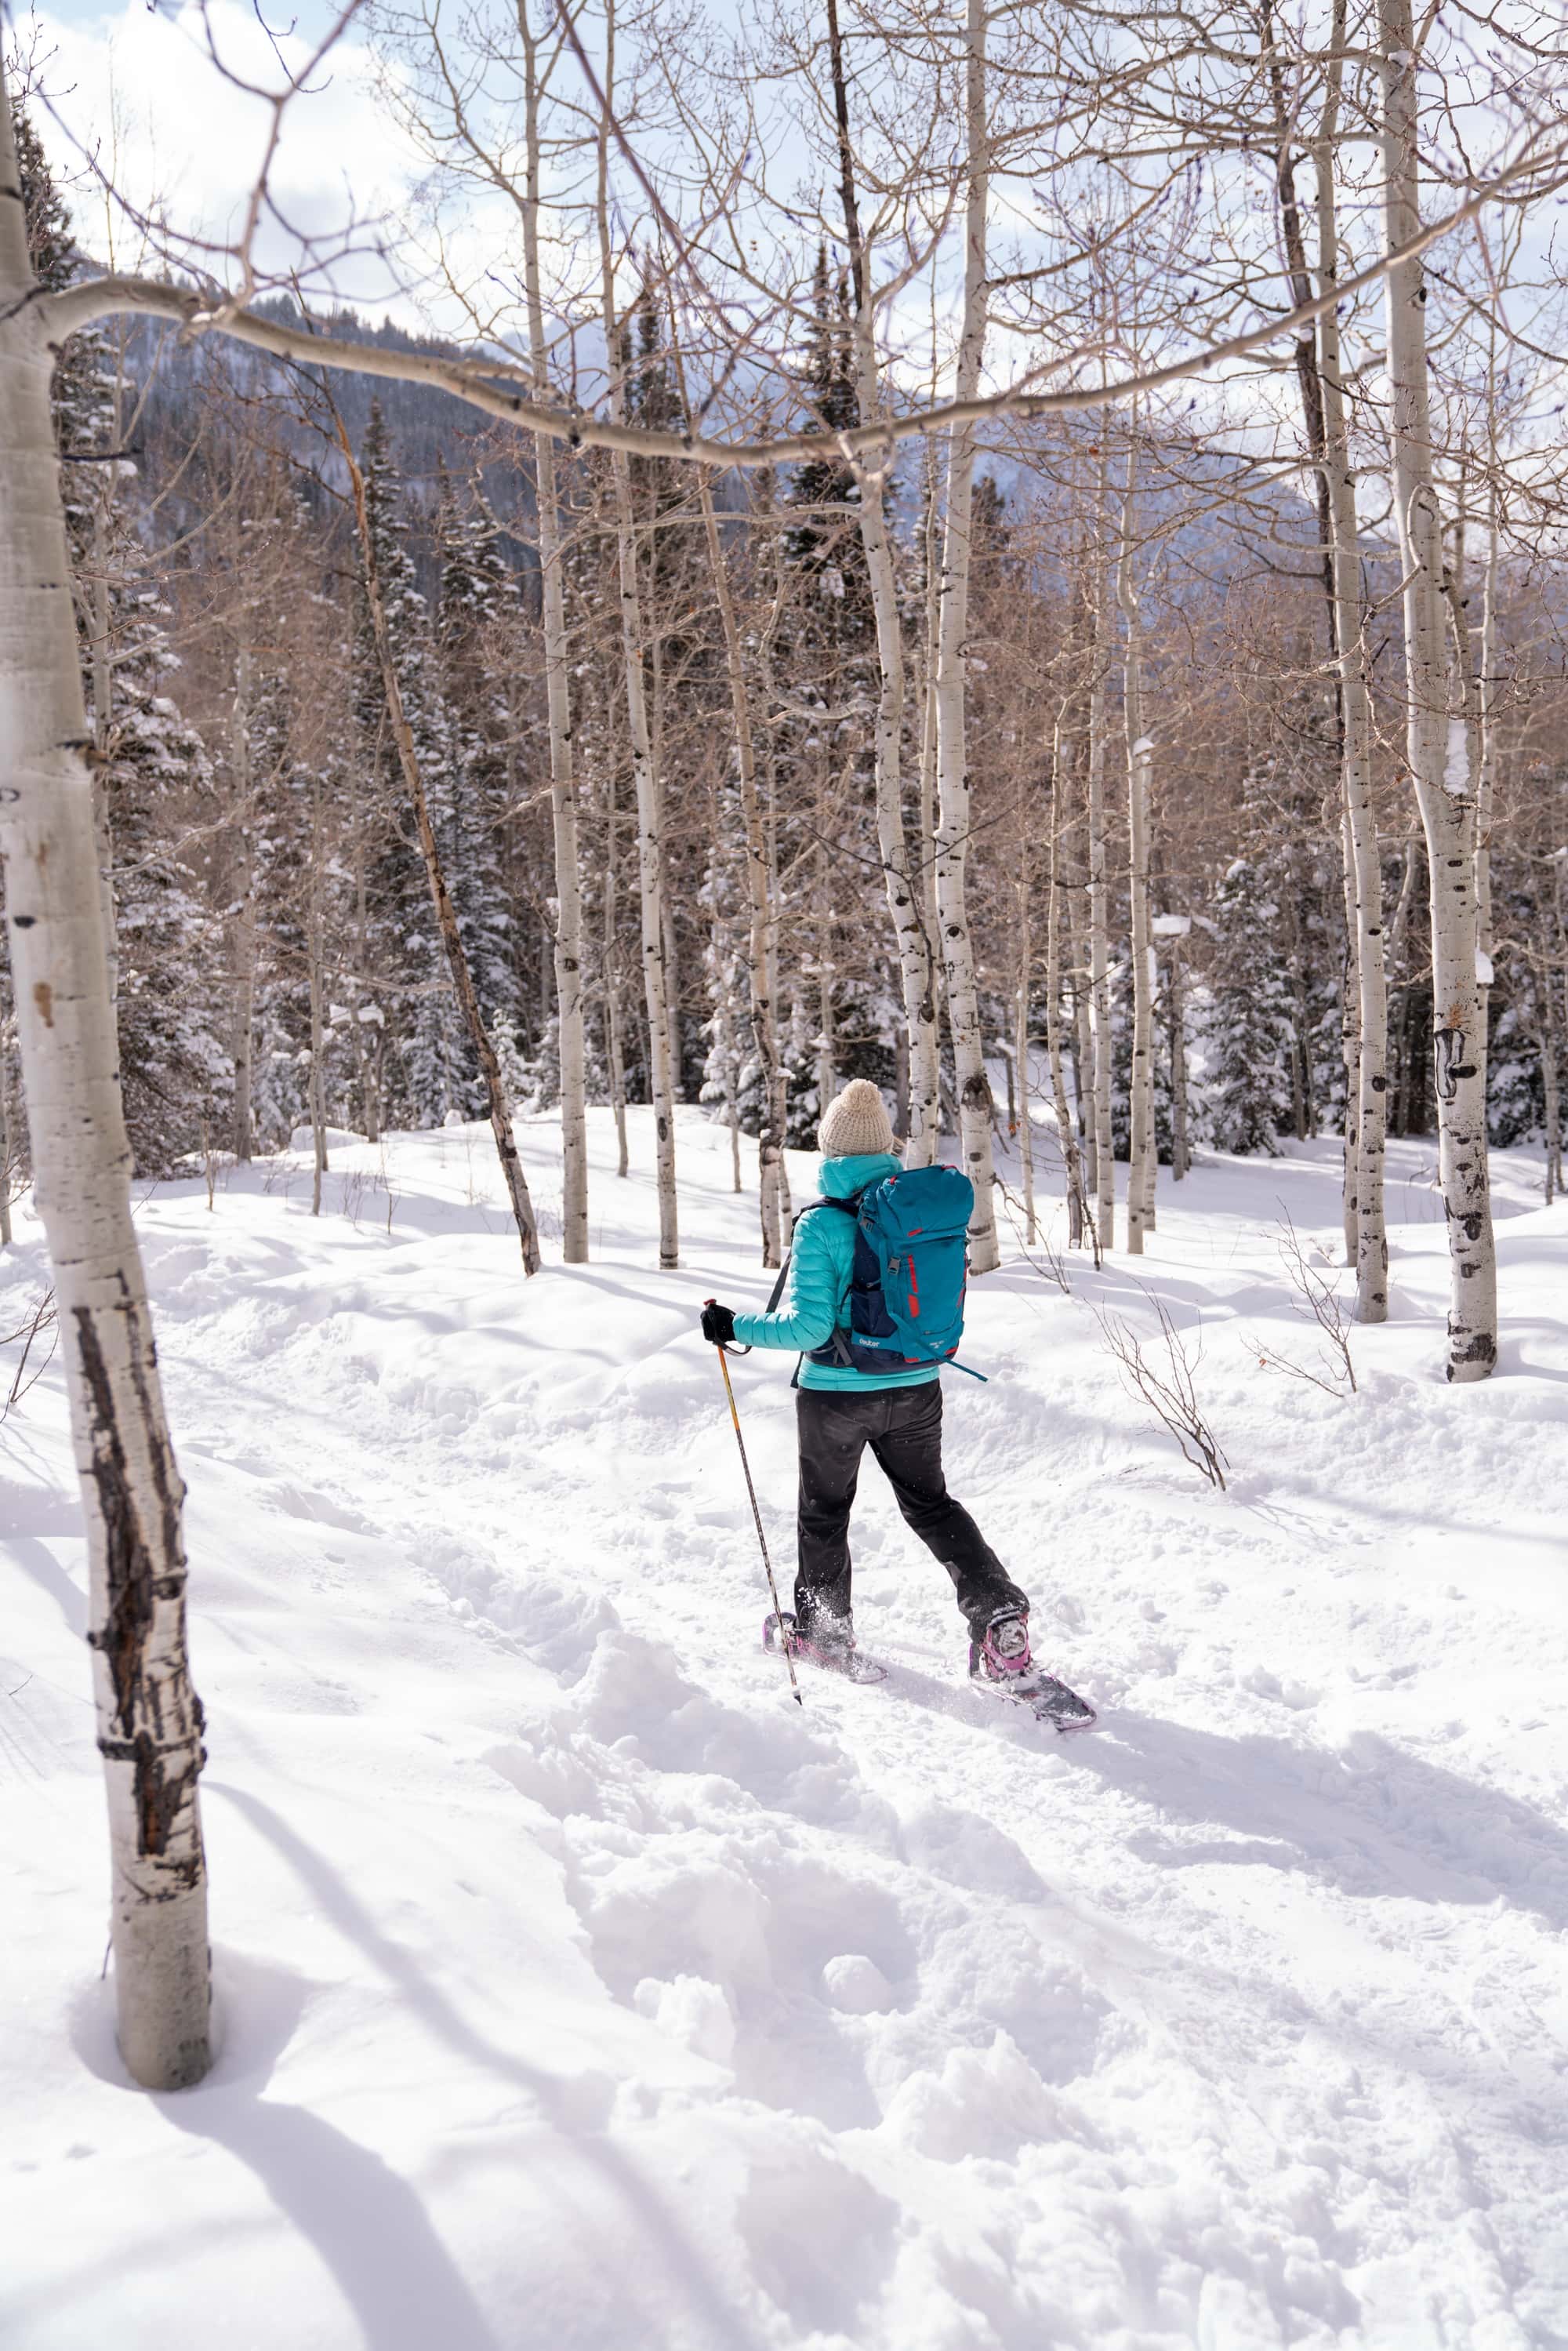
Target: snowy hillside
578,1992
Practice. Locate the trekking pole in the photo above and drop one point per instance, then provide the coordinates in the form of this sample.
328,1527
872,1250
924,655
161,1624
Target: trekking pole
757,1515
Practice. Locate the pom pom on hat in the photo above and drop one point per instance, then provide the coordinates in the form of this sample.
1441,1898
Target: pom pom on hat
854,1123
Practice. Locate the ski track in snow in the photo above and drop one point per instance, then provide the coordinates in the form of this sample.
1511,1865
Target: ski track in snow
576,1988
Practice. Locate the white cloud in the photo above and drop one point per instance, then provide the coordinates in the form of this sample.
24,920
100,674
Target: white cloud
184,141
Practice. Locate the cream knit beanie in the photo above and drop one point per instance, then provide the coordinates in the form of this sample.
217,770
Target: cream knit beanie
854,1123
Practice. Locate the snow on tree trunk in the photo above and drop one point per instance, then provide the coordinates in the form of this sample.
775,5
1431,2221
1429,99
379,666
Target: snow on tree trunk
953,784
1434,740
149,1716
500,1108
649,860
1140,1158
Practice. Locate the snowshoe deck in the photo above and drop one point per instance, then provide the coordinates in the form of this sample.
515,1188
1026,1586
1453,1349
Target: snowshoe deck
1048,1700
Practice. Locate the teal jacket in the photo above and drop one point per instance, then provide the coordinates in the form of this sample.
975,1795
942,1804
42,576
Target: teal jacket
817,1301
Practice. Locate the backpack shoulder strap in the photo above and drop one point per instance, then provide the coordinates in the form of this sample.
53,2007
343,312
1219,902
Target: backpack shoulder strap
778,1291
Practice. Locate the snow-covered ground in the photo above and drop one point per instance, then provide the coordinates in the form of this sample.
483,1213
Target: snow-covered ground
577,1989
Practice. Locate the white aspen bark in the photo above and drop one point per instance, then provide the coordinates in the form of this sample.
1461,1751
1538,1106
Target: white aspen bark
315,1092
149,1716
1443,783
1486,695
912,935
1140,1154
759,929
1066,1123
649,860
1547,1040
102,665
1366,1233
953,783
927,871
1181,1155
1100,1041
827,1043
1350,1024
768,814
914,959
244,912
495,1095
1019,1067
367,1055
614,1051
558,701
8,1139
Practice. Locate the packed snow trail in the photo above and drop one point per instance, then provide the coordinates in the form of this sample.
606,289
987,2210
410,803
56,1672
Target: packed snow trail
578,1990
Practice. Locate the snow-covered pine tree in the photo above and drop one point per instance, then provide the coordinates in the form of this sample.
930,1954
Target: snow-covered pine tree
478,595
427,1068
1247,1031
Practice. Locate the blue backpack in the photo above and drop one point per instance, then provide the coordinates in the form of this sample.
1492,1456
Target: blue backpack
911,1269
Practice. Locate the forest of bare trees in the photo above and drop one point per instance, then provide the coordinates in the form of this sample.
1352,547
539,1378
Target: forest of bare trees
1014,552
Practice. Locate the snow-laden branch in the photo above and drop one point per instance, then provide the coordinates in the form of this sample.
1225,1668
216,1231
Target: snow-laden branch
484,384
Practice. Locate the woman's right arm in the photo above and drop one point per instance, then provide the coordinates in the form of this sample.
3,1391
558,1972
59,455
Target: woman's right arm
810,1309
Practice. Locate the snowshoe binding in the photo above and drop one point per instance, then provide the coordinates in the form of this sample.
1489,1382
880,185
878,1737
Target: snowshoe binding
835,1652
1001,1663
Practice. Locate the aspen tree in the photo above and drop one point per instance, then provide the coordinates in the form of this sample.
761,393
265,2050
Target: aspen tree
1436,734
496,1101
1099,1003
558,698
1141,1154
244,925
915,961
1368,1116
649,859
953,782
614,1051
759,952
149,1718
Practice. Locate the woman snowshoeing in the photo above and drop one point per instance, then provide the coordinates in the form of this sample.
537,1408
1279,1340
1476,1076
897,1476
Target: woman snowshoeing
847,1400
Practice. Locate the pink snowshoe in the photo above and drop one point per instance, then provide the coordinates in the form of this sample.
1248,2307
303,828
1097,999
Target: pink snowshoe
1000,1662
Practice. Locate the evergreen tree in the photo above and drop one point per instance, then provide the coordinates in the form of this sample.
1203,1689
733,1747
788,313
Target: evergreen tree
468,794
1247,1034
835,595
427,1069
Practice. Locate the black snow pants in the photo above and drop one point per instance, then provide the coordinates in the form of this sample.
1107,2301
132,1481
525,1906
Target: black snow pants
903,1428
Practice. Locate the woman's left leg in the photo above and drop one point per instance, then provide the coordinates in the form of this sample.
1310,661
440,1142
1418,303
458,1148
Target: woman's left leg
909,1452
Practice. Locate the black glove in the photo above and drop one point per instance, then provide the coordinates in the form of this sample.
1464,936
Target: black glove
718,1323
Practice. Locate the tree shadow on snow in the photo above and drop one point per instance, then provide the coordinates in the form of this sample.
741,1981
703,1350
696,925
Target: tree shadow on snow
1370,1819
654,2239
368,2225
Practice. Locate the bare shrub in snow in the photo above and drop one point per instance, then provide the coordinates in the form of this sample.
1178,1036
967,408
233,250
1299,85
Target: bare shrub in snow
1169,1390
1315,1294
